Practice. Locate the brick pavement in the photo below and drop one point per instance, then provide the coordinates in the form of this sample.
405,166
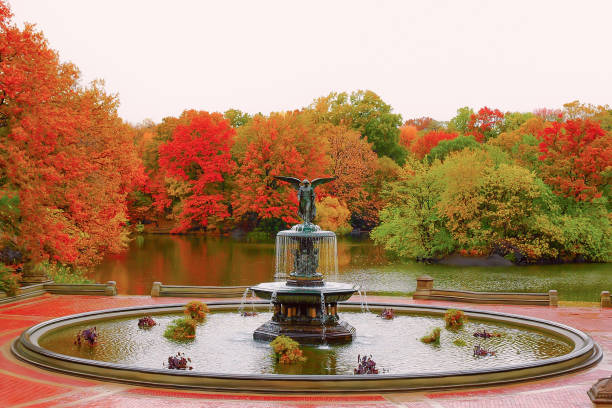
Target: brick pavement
22,385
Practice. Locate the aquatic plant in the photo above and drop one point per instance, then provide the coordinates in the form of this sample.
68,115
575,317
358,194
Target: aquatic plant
181,329
365,365
387,314
482,352
248,314
88,335
459,342
433,337
179,362
146,322
197,310
454,318
286,350
485,334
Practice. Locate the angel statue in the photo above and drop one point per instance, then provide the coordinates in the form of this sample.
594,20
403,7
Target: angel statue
306,195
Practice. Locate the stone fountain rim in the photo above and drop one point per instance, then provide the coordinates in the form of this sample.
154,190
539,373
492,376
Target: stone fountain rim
311,234
340,288
26,348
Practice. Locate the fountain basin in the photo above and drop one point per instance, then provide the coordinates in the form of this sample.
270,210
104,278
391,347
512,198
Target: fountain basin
583,353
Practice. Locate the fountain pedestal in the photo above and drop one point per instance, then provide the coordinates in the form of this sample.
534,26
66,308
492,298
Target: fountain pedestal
305,306
307,314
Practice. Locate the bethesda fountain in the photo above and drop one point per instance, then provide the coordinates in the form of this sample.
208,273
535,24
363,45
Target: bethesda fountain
305,307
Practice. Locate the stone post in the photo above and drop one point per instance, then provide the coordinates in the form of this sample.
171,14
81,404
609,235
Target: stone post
424,287
601,391
553,298
33,274
156,289
605,299
111,288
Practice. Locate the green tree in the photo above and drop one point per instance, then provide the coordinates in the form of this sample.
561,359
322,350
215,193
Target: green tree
460,122
445,147
236,117
367,113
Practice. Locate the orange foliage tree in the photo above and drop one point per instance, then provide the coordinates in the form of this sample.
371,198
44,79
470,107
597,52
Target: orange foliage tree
423,145
408,134
287,144
64,149
351,160
199,154
576,158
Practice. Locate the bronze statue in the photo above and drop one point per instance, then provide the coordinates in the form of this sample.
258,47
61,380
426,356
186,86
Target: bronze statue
306,195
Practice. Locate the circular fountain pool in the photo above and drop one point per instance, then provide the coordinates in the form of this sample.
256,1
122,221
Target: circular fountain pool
225,356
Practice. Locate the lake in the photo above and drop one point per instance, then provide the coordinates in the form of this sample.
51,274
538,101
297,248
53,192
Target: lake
222,261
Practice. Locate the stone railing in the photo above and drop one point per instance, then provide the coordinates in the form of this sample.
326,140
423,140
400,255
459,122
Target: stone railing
426,291
101,289
159,289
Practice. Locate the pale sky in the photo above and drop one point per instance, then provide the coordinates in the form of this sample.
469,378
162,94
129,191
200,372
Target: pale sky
424,58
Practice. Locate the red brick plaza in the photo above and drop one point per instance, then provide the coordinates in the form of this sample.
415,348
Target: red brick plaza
22,385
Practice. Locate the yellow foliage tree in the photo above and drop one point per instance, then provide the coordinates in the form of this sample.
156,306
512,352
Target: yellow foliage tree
333,215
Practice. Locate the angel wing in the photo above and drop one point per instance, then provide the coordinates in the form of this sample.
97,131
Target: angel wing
295,182
323,180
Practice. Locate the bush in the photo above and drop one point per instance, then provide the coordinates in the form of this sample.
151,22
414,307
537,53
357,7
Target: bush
287,350
181,329
59,273
9,280
454,318
196,310
433,337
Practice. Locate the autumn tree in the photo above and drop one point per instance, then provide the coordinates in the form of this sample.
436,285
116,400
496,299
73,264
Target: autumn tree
408,134
64,150
485,124
549,115
351,160
576,158
422,123
198,154
287,144
333,215
423,145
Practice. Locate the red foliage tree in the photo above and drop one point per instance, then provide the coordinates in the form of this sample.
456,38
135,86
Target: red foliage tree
423,145
419,123
576,156
485,124
64,150
199,154
549,115
287,144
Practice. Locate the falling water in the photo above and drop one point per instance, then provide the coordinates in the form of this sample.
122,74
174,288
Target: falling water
360,298
288,242
365,299
323,317
243,300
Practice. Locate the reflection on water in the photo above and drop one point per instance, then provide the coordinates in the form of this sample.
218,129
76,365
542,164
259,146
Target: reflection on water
198,260
224,344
